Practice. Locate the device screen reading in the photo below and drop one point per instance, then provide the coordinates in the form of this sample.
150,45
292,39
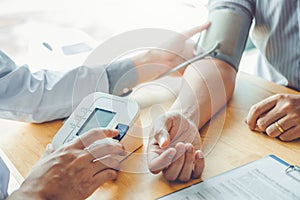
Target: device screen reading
98,118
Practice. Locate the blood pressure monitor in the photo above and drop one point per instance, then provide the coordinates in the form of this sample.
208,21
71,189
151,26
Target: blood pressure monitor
101,110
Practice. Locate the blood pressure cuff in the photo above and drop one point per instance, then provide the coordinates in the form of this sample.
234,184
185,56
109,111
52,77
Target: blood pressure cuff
230,24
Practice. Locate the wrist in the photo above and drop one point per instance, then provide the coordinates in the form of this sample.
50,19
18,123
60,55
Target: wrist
24,195
28,190
189,113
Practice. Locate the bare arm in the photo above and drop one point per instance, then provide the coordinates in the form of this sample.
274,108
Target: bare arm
175,143
207,86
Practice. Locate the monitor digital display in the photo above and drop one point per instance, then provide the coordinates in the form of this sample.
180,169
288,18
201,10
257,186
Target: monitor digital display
99,118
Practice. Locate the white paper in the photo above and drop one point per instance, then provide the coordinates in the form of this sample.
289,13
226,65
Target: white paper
264,179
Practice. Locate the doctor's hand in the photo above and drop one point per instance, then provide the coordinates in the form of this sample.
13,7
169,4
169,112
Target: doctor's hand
278,116
174,148
71,171
171,53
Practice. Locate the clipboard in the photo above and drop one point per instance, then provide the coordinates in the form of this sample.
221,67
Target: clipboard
268,178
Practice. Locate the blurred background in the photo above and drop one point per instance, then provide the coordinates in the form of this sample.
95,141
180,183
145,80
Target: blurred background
31,30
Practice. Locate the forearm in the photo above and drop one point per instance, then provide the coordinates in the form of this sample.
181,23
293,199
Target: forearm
206,87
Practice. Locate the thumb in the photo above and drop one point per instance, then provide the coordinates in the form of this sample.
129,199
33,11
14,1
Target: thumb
191,32
162,138
49,149
161,130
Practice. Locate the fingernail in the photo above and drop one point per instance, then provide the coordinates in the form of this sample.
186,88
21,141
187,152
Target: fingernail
200,154
49,148
171,155
162,141
189,149
181,149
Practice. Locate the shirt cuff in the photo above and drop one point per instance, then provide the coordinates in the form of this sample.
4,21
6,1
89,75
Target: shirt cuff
122,76
4,179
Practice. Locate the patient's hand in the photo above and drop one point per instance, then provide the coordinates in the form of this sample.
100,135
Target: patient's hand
278,116
174,148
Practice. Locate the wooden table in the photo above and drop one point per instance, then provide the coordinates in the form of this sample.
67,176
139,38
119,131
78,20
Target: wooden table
228,143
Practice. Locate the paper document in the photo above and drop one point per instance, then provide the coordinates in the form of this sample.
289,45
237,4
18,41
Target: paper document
263,179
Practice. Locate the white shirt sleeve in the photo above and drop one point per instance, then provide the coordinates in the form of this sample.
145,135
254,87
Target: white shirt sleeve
45,95
48,95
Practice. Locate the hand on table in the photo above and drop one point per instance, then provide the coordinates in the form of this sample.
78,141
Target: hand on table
71,171
174,148
278,116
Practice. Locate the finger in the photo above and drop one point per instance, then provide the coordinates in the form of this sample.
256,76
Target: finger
172,172
163,138
103,176
161,134
106,147
199,164
96,166
97,180
186,172
175,125
157,163
49,149
259,109
269,118
105,163
91,136
291,134
285,123
181,38
195,30
180,150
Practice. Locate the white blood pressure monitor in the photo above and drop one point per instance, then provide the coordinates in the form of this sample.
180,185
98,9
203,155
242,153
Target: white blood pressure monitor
101,110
